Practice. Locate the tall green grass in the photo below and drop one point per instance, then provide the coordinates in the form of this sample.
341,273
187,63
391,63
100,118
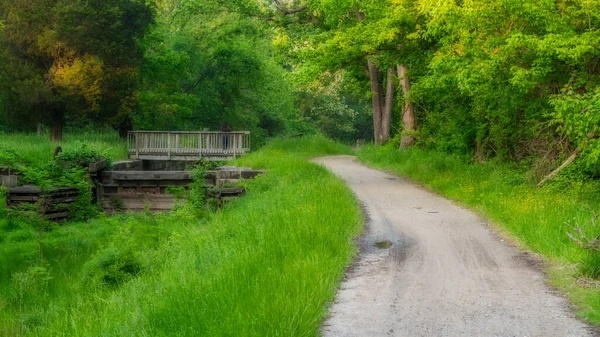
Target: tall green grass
268,264
39,149
309,146
502,193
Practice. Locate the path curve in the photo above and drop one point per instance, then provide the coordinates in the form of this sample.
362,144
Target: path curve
438,270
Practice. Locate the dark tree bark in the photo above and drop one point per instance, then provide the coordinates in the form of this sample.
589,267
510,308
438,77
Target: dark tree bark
386,117
382,102
124,128
376,98
408,110
57,120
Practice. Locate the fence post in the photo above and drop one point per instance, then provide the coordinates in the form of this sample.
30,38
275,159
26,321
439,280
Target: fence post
234,146
137,146
169,145
200,145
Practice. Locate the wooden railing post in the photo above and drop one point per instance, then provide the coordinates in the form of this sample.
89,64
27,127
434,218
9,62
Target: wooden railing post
234,146
200,145
137,146
169,145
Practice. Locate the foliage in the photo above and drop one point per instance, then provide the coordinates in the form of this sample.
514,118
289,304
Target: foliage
267,264
81,155
212,61
113,265
30,149
491,79
197,190
9,157
69,169
62,59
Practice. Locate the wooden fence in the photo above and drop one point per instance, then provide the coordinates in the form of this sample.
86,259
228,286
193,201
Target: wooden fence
167,145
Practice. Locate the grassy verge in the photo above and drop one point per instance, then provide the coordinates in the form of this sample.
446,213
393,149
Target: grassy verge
535,217
39,149
266,265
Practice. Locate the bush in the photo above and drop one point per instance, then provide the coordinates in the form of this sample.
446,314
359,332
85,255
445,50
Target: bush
80,155
111,267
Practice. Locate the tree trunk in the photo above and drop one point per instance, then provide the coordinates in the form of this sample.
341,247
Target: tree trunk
386,117
124,128
56,124
376,97
408,110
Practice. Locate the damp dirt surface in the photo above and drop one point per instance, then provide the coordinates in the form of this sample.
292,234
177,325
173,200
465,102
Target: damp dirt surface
428,267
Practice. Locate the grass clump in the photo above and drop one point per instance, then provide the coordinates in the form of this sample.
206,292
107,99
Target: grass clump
38,150
503,193
309,146
267,264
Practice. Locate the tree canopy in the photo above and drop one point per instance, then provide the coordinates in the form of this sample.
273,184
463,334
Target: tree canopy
495,78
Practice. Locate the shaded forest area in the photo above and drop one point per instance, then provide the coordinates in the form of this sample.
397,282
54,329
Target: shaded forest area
514,80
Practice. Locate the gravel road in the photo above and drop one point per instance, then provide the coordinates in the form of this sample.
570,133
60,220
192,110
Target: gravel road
428,267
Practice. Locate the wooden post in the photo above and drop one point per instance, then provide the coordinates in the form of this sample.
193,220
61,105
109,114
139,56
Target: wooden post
234,146
137,146
146,142
169,145
200,145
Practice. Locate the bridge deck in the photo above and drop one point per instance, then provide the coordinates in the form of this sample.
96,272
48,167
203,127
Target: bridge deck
170,145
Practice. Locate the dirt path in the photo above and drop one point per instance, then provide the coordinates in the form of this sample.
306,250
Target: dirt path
438,270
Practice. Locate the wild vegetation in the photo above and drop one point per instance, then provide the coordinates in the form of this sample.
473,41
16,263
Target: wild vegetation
481,100
33,149
267,264
539,219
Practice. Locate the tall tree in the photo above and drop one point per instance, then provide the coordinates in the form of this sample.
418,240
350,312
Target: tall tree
382,102
67,60
352,37
408,109
210,61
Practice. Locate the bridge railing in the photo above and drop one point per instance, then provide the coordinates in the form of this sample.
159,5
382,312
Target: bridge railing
181,144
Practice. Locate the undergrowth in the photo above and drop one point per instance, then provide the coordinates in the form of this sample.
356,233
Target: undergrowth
39,149
267,264
504,193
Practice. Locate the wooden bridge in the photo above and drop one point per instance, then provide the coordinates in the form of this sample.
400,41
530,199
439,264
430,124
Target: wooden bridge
171,145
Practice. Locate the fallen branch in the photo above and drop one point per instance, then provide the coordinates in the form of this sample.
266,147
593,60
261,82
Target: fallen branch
554,173
568,162
287,11
579,237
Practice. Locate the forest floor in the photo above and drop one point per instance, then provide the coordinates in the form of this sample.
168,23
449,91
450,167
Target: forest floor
428,267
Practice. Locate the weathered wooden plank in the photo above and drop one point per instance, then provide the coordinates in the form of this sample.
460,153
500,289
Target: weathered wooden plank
151,175
56,216
207,155
9,180
24,198
32,189
97,166
54,199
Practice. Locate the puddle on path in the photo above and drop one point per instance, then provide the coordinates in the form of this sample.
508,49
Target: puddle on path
385,244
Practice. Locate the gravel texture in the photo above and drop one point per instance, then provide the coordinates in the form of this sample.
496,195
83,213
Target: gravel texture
428,267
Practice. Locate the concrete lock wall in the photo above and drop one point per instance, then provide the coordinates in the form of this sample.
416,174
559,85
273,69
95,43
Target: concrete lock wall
136,185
